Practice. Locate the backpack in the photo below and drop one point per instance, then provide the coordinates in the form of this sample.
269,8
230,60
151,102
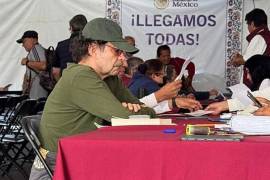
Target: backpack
47,80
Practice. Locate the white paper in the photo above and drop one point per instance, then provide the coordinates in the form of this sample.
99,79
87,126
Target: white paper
199,113
251,124
182,72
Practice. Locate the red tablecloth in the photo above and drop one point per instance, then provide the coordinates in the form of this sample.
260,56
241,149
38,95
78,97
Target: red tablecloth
146,153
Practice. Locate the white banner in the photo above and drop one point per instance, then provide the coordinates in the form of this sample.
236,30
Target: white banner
192,28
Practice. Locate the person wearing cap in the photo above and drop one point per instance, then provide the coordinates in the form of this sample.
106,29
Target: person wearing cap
35,61
62,51
88,91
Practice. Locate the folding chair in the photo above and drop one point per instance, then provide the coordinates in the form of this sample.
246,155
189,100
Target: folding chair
12,141
30,125
9,104
39,106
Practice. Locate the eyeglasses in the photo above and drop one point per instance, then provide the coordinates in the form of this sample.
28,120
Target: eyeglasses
117,51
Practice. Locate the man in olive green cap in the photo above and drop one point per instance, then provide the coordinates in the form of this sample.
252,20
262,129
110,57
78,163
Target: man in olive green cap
88,91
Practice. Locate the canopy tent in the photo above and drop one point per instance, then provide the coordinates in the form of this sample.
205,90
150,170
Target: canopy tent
50,19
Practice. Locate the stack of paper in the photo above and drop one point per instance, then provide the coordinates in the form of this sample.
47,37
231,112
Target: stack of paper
140,121
252,125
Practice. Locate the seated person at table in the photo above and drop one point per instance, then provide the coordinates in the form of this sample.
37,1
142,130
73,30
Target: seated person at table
147,79
258,74
124,75
89,91
145,83
157,100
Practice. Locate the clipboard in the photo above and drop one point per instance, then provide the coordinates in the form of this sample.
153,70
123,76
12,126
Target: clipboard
236,138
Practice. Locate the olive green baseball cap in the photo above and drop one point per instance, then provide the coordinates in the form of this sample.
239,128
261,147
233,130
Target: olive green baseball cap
107,30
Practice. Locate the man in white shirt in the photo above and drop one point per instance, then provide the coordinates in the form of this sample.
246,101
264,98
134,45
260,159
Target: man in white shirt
258,39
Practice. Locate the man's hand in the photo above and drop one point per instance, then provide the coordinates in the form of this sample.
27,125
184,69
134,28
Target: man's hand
238,60
187,103
132,107
213,92
168,91
217,107
263,101
24,61
264,111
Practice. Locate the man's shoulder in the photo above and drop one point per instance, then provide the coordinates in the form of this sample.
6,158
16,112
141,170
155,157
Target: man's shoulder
79,71
38,47
177,59
64,42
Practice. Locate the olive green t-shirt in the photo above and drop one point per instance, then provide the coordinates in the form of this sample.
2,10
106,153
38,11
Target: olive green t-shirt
79,99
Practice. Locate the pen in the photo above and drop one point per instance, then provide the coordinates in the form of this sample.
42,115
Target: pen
222,95
255,101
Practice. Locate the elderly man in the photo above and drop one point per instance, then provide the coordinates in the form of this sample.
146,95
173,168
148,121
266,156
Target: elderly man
88,91
35,62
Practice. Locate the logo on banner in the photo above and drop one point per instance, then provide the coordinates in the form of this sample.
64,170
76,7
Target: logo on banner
161,4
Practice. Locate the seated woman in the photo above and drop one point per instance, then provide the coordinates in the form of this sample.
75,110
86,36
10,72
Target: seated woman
147,79
258,69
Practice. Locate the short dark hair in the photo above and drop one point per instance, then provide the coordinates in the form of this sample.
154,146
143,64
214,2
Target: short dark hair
77,23
257,16
150,67
79,47
133,63
162,48
259,69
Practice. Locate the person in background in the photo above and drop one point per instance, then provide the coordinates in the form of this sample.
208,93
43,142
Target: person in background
123,74
133,64
35,61
147,79
130,40
258,75
258,39
62,51
159,99
164,55
145,85
89,90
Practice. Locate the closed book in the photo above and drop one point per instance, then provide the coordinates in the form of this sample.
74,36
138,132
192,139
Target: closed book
140,121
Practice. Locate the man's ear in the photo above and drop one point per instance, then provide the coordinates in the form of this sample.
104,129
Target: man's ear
253,25
92,49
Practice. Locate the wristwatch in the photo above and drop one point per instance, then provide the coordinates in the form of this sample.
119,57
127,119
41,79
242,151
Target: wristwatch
174,103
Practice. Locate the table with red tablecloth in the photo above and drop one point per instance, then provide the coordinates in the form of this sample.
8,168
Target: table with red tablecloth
147,153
